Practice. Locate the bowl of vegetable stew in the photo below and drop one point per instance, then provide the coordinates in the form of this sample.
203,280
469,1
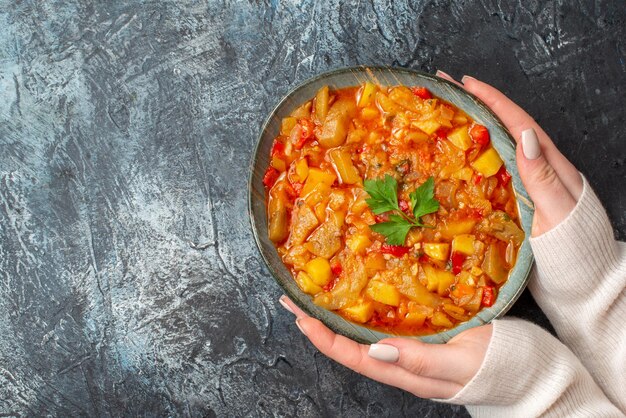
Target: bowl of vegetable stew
387,202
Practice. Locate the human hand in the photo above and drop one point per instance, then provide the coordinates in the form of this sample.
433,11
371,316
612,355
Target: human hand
425,370
552,182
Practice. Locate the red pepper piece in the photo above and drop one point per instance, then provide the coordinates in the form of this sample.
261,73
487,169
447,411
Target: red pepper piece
270,177
336,269
394,250
503,176
307,132
442,133
457,262
278,149
488,296
383,217
404,206
331,284
422,92
480,135
478,179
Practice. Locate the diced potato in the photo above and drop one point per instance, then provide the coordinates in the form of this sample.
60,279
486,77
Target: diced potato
460,138
278,226
488,163
338,217
302,169
278,164
416,319
319,193
287,124
417,292
440,319
438,280
375,262
459,119
417,136
321,104
316,176
318,270
320,211
306,284
325,241
361,312
367,94
358,243
335,126
464,173
429,126
370,113
438,251
383,293
342,162
464,244
303,112
453,228
493,264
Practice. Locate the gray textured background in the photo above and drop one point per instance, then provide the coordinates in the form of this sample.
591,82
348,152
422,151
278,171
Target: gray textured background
129,281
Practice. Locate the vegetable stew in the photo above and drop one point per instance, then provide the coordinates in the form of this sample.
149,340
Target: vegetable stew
391,208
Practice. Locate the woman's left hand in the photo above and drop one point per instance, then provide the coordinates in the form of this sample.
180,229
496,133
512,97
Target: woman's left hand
425,370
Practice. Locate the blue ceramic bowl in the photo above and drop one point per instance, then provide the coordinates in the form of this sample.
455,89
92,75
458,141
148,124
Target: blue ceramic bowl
346,77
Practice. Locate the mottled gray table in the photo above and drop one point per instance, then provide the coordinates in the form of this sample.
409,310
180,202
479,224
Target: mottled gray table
129,281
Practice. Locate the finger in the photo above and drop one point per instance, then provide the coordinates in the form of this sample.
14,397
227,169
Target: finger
448,77
553,202
516,121
355,356
437,361
291,307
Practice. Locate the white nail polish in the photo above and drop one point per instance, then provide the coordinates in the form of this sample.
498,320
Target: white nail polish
530,144
441,74
466,78
300,326
284,304
384,352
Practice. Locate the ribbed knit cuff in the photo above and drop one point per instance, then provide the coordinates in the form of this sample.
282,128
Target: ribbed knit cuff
526,373
582,245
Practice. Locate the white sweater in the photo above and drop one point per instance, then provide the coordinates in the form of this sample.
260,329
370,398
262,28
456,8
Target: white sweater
579,282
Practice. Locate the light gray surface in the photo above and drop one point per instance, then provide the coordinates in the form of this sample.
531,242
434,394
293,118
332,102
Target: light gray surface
125,135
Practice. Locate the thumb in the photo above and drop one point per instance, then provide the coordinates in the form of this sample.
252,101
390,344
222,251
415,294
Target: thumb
553,202
437,361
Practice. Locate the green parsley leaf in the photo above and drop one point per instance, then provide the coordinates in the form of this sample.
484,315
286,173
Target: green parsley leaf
395,230
383,194
384,198
423,199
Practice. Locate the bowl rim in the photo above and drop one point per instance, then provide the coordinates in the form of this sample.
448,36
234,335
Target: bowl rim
444,335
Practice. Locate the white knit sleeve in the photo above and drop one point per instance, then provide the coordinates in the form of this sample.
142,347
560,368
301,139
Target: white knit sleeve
529,373
580,282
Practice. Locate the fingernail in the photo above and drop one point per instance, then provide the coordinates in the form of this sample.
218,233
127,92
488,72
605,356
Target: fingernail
441,74
384,352
300,326
281,300
466,78
530,144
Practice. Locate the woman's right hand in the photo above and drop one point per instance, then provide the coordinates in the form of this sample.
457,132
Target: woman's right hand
552,182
